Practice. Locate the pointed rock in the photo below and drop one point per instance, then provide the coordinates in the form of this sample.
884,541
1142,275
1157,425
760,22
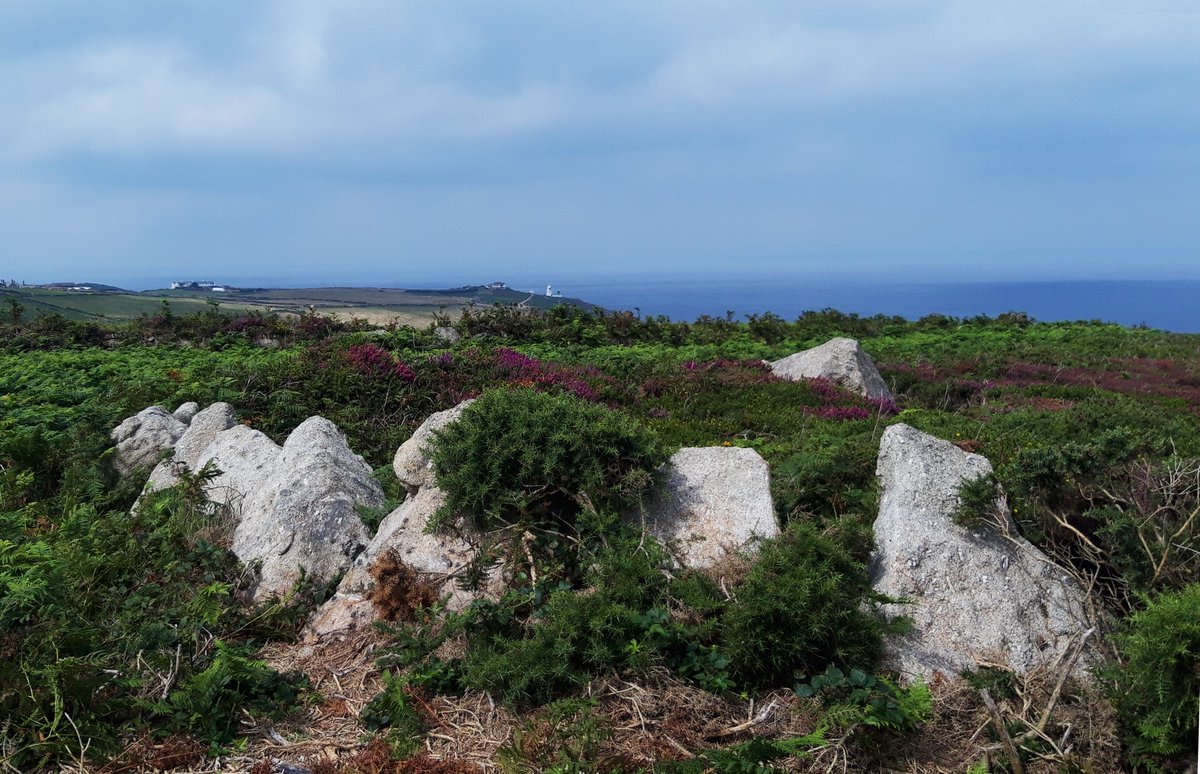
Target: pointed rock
713,500
841,361
976,594
304,515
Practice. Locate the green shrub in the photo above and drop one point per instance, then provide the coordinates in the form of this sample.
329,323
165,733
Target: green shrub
800,609
392,709
536,458
563,738
537,644
1156,690
103,613
879,702
208,703
977,502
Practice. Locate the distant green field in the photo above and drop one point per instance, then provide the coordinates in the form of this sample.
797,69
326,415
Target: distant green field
378,305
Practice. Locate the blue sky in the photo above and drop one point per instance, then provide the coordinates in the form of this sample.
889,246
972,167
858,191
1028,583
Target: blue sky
410,143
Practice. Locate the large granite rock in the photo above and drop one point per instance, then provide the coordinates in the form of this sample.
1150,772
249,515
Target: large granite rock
247,459
976,594
144,438
412,464
436,557
841,361
302,516
713,500
203,429
293,509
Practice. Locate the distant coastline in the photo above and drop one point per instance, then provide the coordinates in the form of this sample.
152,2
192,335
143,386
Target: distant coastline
1164,304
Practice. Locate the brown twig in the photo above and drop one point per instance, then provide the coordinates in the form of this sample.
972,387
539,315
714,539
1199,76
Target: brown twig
1006,741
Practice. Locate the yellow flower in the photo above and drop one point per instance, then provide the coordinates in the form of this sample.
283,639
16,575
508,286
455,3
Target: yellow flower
727,443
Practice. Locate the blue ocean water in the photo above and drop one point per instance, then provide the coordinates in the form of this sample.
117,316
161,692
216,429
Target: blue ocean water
1172,306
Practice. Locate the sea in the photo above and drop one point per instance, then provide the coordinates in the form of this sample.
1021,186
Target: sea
1167,305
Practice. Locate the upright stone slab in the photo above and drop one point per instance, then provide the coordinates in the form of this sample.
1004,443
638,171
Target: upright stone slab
304,516
841,361
713,500
977,594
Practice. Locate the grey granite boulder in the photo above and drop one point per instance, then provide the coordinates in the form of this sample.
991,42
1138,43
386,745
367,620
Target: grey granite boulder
712,501
144,438
302,515
975,594
203,430
437,557
247,459
412,464
841,361
447,334
186,411
293,509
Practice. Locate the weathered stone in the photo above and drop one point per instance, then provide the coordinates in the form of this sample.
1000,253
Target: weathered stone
447,334
976,594
713,500
247,459
412,464
436,557
186,411
304,515
294,509
203,430
144,438
841,361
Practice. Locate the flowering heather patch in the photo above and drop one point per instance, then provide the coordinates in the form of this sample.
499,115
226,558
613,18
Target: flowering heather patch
838,413
842,405
1162,378
728,373
524,371
374,360
885,406
511,360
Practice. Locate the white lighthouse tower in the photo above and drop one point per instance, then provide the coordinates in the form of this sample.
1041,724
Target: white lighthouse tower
549,291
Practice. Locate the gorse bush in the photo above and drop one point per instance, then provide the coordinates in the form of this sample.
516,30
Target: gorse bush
977,503
519,456
804,605
1157,689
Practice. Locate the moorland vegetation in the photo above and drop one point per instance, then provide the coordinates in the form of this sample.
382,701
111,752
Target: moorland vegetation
125,639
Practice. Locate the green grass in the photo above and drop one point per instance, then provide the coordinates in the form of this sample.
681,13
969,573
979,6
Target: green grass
1073,416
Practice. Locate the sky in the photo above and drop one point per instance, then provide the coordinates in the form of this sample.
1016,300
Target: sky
417,143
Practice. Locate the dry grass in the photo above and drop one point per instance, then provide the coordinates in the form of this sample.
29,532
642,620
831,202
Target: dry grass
647,721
